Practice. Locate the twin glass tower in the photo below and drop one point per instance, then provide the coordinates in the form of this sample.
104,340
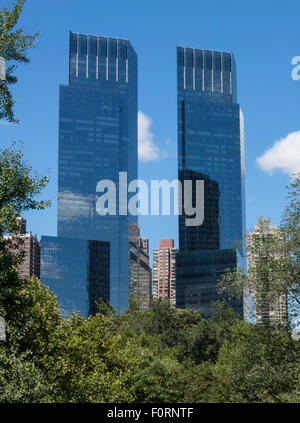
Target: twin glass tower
89,258
97,140
210,148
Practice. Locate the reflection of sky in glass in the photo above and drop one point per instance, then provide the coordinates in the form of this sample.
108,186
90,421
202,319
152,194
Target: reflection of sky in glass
97,140
70,267
213,132
211,143
64,265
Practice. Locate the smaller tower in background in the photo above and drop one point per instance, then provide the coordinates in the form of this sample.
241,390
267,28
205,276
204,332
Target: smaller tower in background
274,311
31,245
164,271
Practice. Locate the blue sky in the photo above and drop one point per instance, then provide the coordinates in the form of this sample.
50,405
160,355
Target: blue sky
263,36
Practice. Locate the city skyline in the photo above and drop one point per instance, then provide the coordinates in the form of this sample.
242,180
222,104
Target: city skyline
265,122
154,150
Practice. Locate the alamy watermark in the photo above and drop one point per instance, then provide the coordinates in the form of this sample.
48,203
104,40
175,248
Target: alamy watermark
296,69
190,191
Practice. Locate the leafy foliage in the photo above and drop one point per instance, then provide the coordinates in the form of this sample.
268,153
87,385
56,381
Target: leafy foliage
14,44
290,228
20,380
161,355
20,188
276,271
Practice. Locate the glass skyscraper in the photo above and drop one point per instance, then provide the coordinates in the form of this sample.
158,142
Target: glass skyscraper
210,148
77,271
97,140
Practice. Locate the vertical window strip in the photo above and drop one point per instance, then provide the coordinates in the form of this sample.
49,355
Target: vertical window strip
97,58
70,54
212,72
117,62
76,65
126,61
230,73
194,82
221,73
184,76
203,86
106,59
87,59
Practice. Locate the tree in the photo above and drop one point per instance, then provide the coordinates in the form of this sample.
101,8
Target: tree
49,358
161,319
275,272
20,379
158,376
257,365
14,46
159,379
83,362
290,228
20,188
202,342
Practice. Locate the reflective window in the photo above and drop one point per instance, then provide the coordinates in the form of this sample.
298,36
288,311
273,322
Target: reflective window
97,140
210,148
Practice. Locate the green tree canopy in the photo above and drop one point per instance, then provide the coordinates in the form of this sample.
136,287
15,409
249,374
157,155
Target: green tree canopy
20,189
14,46
276,269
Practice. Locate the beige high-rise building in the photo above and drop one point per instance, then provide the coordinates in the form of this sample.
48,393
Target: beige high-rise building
140,273
276,311
164,271
32,247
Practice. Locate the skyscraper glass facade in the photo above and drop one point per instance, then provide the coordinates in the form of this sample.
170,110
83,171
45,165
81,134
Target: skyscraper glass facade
97,140
197,273
140,273
210,148
77,271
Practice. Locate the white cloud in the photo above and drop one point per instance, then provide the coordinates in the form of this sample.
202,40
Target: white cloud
147,149
284,155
